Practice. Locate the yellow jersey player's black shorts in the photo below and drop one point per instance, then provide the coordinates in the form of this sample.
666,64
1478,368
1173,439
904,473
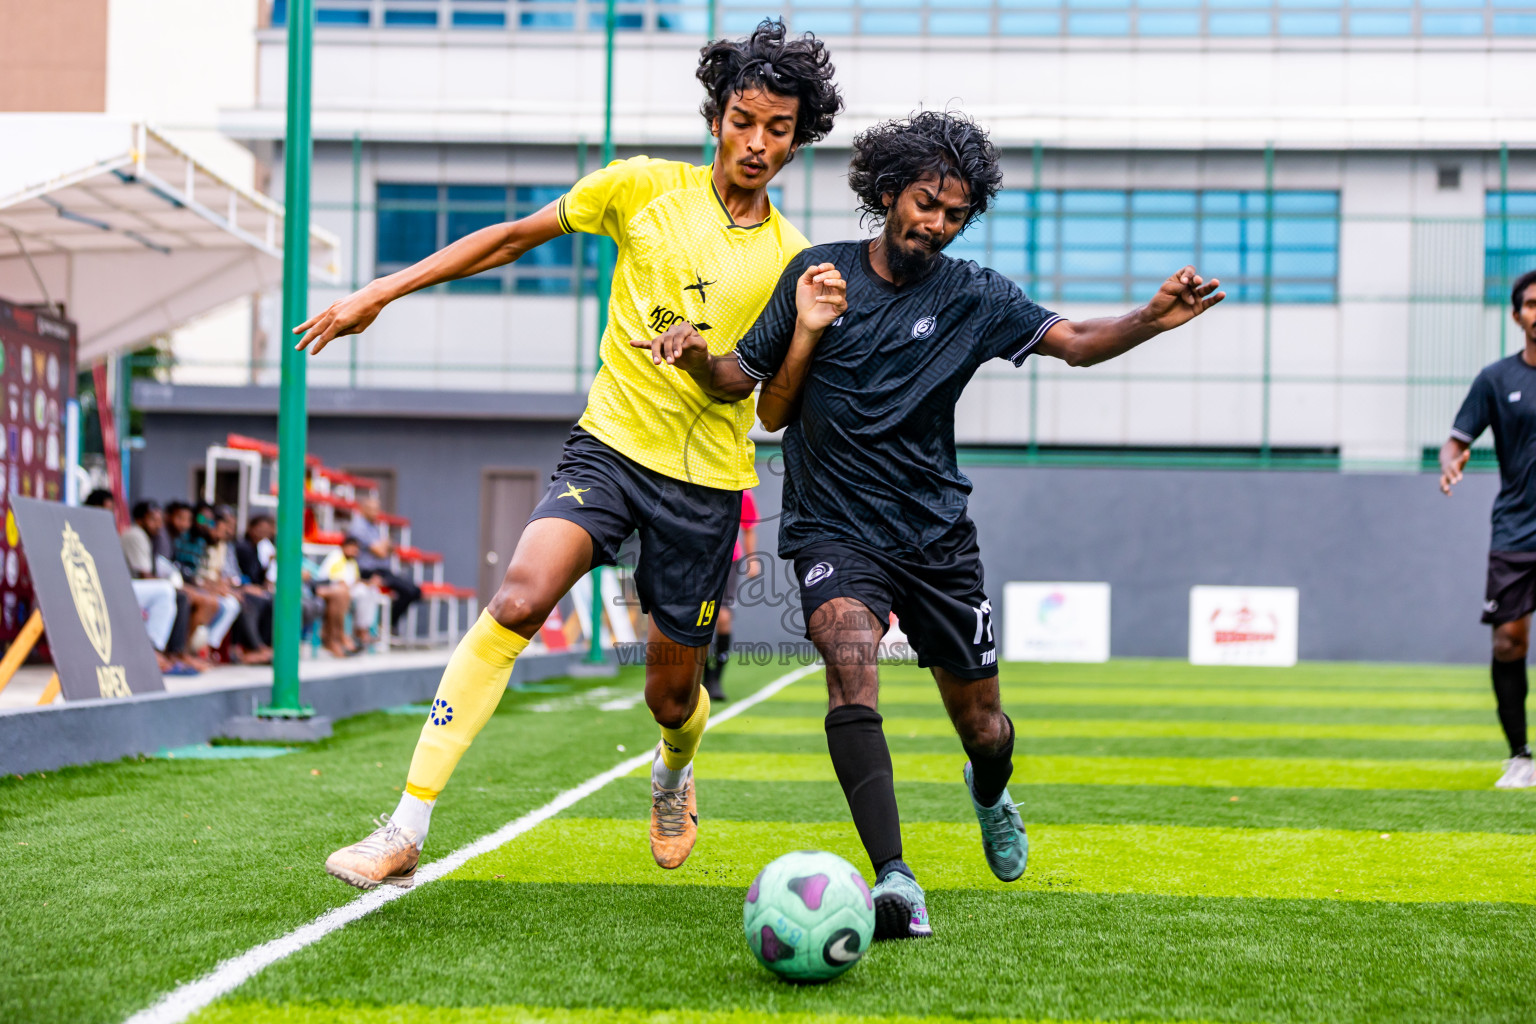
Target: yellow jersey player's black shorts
939,594
687,531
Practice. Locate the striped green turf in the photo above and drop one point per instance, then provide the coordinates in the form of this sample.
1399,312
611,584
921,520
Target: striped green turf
1024,693
1131,728
1163,860
257,1012
1235,772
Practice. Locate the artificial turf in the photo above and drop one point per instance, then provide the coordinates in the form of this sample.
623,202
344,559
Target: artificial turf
1315,844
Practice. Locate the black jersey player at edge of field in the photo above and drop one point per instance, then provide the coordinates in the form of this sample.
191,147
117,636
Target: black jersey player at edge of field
874,503
1503,399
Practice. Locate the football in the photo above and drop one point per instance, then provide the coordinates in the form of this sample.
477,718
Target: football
809,916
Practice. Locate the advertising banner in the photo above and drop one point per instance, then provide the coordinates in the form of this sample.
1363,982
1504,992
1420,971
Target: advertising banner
1244,625
37,376
1056,621
95,627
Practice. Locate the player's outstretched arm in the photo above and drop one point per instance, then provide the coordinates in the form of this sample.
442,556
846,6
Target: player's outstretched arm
1181,298
719,377
821,296
489,247
1453,460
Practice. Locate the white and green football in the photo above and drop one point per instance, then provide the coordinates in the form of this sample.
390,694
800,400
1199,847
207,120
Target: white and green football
809,916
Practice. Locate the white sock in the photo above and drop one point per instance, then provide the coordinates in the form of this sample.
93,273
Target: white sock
415,814
666,778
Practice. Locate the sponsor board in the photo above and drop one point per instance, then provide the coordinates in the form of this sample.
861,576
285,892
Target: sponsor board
1056,621
1244,625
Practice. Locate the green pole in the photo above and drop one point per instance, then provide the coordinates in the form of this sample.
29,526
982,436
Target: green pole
1269,291
578,265
357,211
1032,243
709,37
1503,240
292,401
604,290
810,190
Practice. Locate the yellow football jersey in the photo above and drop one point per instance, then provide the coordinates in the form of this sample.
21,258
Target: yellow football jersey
681,257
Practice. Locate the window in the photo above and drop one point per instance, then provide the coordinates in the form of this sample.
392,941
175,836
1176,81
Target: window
416,220
1118,246
974,18
1509,242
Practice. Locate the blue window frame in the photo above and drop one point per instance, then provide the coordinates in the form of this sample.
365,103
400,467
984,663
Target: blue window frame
415,220
1089,245
1509,242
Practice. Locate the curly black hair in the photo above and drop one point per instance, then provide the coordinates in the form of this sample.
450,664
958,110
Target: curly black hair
891,156
1517,294
770,59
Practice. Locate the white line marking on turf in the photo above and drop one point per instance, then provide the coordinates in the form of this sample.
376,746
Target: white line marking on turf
185,1000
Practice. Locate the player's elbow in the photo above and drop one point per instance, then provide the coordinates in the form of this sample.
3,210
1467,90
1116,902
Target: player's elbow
773,420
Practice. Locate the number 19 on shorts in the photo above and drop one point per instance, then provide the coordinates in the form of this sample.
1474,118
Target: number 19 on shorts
706,613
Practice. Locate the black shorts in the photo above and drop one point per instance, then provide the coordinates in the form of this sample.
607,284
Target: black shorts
1511,590
687,531
940,598
732,578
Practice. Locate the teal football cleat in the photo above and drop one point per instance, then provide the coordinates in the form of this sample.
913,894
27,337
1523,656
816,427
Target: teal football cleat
901,909
1003,839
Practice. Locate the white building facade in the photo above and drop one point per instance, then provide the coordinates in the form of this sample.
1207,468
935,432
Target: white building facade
1361,176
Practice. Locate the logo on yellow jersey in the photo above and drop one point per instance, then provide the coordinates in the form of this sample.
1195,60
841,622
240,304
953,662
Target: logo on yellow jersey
572,491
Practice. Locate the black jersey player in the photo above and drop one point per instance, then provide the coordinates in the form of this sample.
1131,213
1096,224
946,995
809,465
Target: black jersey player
1503,399
874,503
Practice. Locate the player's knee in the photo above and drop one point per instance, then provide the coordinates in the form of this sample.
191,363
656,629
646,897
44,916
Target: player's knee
1509,646
983,729
515,608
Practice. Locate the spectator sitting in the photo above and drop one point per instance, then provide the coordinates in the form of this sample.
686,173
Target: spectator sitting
341,567
138,548
373,559
189,550
163,607
221,573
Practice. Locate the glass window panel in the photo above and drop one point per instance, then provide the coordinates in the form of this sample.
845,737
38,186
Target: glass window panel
1514,24
490,282
1396,5
279,13
1452,24
886,23
547,21
1228,4
1222,232
1098,4
406,223
952,23
1310,24
1162,233
1159,263
1168,24
1311,4
1005,4
472,207
1301,202
1169,5
1093,201
479,19
410,18
1099,24
623,21
691,21
1475,5
1162,202
340,16
1092,291
1221,202
829,23
880,5
1029,24
1381,24
1239,24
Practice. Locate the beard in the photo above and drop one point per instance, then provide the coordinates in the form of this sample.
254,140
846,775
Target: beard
908,258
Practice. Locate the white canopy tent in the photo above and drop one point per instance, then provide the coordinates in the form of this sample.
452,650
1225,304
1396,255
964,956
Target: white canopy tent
131,234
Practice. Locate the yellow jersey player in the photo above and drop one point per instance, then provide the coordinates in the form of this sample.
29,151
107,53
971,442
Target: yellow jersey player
652,453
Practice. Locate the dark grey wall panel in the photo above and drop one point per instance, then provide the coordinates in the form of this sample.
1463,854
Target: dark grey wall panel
1388,568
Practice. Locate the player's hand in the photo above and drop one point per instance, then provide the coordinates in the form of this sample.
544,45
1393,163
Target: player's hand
681,346
351,315
1452,464
1183,297
821,296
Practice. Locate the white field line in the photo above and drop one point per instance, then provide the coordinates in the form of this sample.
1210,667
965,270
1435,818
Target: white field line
185,1000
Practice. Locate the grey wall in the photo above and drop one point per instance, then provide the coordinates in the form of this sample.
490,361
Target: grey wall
1388,569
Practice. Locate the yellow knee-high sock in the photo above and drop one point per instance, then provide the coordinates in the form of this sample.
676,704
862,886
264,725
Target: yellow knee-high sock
679,745
472,686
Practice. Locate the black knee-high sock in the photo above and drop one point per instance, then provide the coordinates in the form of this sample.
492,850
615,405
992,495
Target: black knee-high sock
990,772
719,655
1509,688
863,765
